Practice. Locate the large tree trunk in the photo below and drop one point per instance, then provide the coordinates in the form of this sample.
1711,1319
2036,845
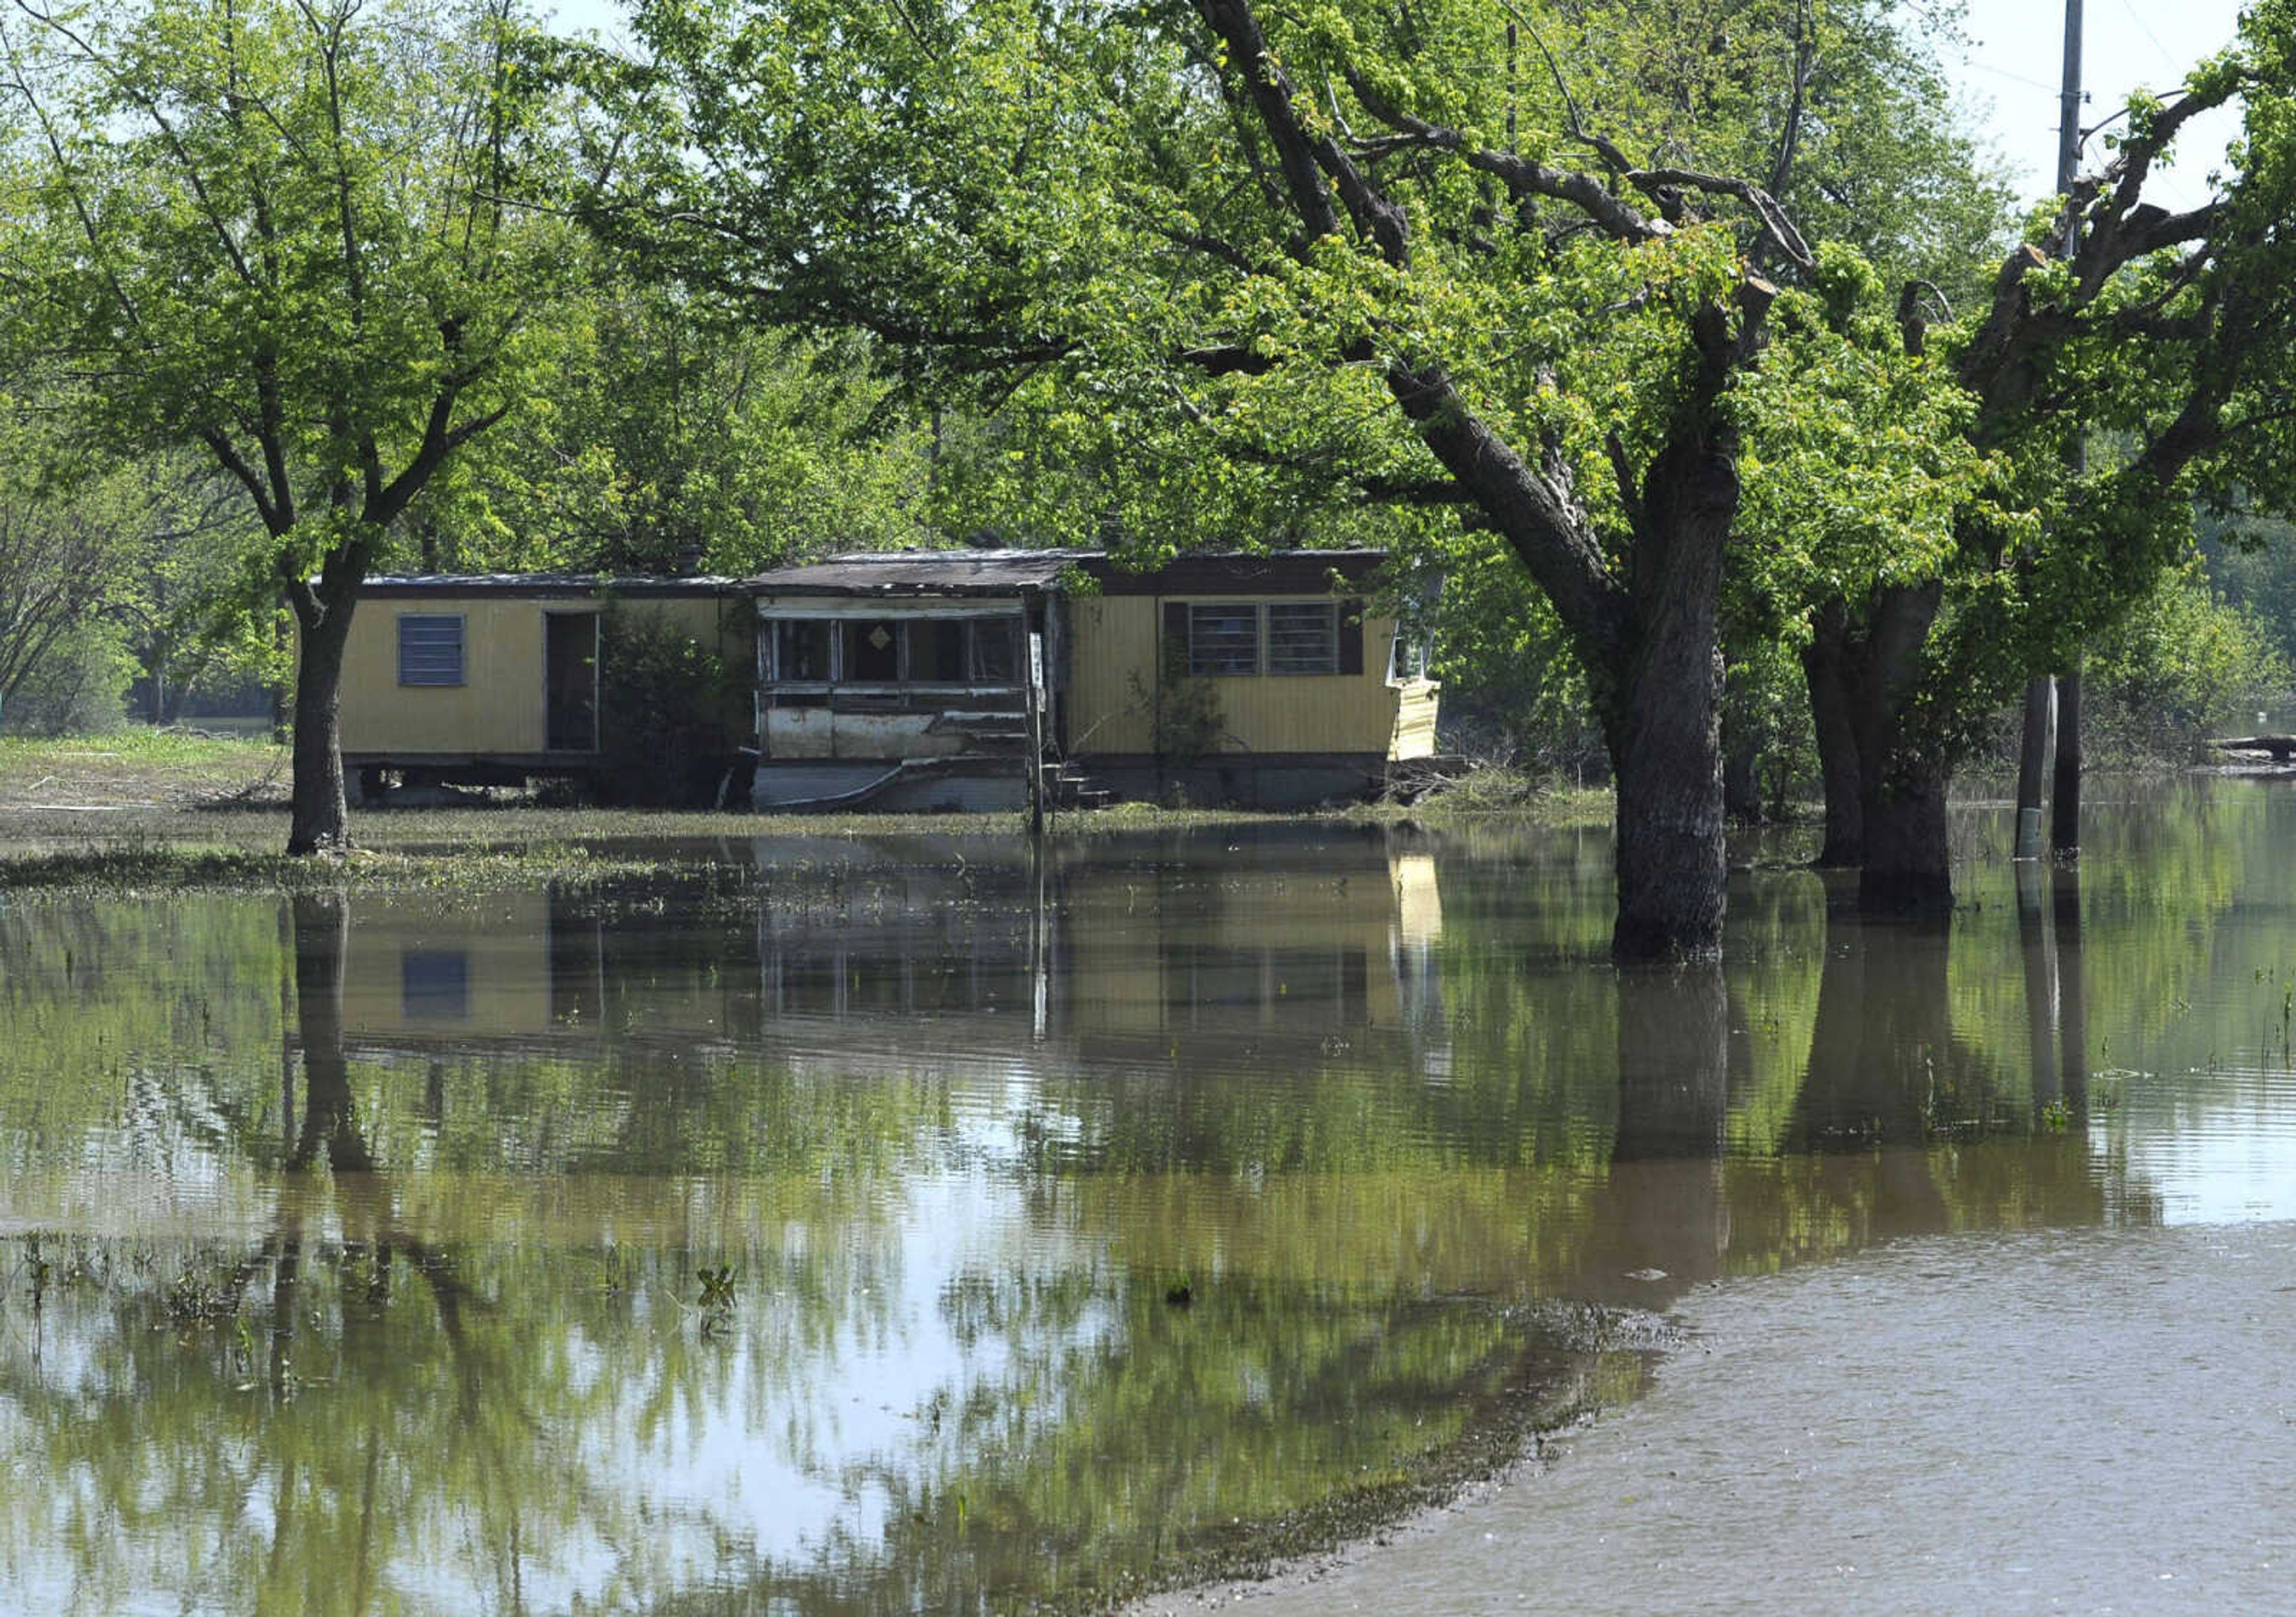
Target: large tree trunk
1647,640
1823,663
1665,748
1665,719
319,821
1907,868
1885,777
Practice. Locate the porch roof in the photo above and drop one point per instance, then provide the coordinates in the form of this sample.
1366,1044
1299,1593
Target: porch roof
880,574
875,573
405,585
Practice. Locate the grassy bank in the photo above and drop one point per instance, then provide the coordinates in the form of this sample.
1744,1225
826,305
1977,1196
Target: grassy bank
140,809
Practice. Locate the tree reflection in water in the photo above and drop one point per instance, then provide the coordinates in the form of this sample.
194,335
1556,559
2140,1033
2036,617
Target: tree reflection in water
958,1127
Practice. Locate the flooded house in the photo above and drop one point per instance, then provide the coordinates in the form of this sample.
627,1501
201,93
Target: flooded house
494,678
928,680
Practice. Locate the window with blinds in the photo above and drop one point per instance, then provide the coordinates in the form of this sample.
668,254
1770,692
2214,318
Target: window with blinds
1224,638
431,650
1303,637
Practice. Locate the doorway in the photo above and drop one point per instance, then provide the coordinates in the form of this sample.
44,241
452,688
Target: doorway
570,682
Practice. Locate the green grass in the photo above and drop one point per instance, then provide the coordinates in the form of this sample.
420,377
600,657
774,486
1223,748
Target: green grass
138,809
132,865
135,745
137,764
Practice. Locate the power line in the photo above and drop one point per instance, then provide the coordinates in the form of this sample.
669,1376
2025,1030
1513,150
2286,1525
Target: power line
2173,66
2014,78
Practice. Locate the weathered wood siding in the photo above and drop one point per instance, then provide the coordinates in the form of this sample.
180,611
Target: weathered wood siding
498,708
1414,720
1114,659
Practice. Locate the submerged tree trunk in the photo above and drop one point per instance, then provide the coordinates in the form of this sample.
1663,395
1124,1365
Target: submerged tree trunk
1885,777
1823,666
1907,867
1665,721
1641,623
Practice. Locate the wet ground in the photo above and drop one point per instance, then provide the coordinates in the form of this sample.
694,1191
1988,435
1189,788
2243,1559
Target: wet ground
838,1225
2087,1421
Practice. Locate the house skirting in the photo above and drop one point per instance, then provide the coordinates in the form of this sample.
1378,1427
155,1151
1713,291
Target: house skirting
924,785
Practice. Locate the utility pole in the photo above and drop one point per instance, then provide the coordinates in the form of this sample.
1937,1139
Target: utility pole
2065,801
2052,706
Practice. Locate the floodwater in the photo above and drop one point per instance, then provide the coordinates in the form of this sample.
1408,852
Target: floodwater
853,1225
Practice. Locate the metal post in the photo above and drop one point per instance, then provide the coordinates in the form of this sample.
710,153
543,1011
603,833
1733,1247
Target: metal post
1036,650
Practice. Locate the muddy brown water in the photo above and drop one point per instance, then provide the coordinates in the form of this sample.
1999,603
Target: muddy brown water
860,1225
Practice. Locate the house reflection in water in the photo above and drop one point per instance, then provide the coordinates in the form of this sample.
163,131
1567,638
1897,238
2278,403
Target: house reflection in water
1151,948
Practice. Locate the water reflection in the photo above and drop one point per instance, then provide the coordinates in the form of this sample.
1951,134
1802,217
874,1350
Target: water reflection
1079,1204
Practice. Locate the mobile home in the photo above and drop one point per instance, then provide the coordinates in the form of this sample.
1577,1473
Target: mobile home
964,678
495,679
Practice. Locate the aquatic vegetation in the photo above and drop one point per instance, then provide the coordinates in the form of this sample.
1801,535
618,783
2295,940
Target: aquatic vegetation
718,1288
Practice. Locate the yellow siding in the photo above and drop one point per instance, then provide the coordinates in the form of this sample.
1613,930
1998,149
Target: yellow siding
1113,671
1414,720
1112,668
498,707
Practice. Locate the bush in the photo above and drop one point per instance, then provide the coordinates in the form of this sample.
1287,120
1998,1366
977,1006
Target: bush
79,687
664,701
2182,663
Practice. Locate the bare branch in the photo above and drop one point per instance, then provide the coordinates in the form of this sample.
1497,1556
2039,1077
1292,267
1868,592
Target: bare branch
1777,227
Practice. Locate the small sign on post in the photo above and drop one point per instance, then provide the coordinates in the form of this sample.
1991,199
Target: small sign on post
1035,733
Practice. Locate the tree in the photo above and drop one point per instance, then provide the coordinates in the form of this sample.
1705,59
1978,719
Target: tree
97,553
1252,267
662,434
59,557
2165,339
278,234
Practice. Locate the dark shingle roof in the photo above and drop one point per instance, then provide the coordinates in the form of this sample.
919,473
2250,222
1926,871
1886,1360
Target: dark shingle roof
893,572
921,572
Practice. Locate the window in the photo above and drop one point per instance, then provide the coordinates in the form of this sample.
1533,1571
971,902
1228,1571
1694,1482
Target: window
429,650
996,650
1408,656
1224,638
802,650
937,650
1303,637
873,652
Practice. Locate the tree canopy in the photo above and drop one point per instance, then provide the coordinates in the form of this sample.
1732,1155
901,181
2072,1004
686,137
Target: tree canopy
1242,273
282,236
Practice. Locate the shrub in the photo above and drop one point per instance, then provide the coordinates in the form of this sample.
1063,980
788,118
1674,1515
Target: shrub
79,687
664,703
